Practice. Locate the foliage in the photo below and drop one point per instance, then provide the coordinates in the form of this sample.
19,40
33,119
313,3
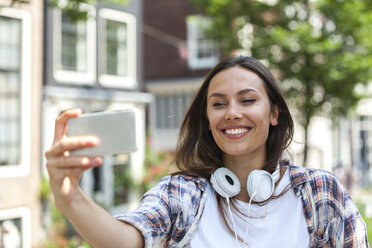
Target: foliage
156,166
320,50
75,8
123,183
368,220
73,242
14,3
60,233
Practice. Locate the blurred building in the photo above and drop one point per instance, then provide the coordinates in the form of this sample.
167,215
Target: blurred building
177,56
21,58
96,65
343,147
49,63
353,139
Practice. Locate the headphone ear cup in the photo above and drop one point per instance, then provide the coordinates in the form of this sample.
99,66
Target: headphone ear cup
225,183
262,183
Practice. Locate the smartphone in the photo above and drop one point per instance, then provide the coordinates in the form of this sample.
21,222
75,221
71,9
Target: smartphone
115,130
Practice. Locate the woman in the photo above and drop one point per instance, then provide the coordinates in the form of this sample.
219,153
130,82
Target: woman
229,151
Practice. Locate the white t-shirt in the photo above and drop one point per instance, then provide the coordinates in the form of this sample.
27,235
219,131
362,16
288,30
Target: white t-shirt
279,223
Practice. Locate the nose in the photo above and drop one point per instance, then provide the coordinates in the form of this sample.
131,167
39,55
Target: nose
233,112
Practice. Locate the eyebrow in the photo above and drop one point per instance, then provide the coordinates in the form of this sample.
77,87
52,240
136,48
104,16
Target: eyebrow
241,92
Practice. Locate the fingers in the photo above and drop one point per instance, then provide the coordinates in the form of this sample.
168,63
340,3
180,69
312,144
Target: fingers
58,155
60,163
74,162
70,144
61,122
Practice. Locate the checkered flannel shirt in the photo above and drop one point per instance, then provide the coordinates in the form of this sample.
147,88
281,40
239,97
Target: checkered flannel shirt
169,213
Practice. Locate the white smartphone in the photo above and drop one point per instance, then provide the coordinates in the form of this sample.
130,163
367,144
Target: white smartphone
115,130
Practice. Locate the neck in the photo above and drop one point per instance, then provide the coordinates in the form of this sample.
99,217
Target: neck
242,165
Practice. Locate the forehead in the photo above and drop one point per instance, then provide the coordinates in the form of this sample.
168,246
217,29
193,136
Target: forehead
235,79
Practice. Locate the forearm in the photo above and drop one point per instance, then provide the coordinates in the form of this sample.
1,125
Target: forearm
98,227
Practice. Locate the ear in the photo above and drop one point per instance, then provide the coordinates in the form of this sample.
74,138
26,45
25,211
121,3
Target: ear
274,116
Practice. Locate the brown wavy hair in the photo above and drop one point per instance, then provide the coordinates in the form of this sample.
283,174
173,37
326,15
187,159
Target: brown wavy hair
197,154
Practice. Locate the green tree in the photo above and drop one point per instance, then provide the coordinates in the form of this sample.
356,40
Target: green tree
320,50
76,12
73,8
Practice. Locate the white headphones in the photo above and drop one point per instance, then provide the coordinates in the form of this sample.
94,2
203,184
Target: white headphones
260,183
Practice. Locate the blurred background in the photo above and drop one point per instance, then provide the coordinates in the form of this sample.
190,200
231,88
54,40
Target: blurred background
151,56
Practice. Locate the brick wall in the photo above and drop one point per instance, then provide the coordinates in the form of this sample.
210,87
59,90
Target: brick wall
164,33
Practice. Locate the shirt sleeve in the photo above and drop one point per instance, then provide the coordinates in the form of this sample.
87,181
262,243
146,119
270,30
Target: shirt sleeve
153,217
335,218
354,226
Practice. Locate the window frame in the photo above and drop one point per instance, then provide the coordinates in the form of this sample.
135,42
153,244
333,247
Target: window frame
24,214
23,167
171,119
193,61
187,88
74,77
123,82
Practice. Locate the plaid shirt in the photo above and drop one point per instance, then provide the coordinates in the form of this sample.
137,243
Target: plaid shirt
169,213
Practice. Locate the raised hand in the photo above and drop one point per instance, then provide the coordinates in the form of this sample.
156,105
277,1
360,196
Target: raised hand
65,170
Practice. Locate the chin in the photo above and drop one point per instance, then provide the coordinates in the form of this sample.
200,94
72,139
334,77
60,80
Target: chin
234,151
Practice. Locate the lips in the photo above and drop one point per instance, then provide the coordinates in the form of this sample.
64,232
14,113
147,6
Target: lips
236,132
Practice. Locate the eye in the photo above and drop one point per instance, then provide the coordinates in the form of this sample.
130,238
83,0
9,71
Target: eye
248,100
218,104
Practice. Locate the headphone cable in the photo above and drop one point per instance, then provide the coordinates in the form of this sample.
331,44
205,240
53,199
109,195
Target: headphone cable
232,220
249,210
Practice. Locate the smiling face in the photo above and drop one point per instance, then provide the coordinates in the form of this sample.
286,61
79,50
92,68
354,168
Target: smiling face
239,112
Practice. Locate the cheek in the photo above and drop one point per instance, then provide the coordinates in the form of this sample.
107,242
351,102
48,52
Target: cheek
211,124
214,118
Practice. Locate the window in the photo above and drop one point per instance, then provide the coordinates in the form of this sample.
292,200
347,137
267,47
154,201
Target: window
118,50
113,182
97,179
14,92
74,45
123,182
10,232
203,52
74,48
116,61
170,109
10,94
365,148
15,228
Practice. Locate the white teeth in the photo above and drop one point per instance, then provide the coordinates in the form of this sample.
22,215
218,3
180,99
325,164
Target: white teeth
236,131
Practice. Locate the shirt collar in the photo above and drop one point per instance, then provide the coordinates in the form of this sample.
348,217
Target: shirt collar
298,175
199,181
